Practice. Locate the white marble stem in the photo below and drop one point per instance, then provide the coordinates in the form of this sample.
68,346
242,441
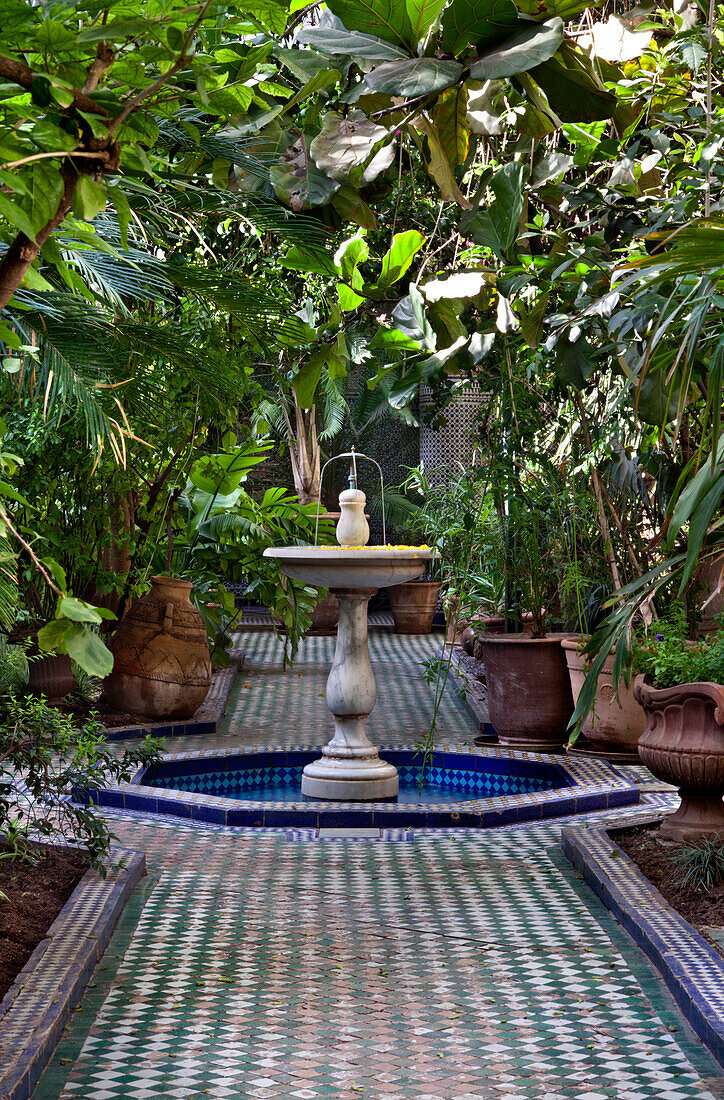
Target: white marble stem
350,767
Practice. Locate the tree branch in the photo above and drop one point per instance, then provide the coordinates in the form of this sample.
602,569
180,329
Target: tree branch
17,72
23,251
101,154
180,61
105,57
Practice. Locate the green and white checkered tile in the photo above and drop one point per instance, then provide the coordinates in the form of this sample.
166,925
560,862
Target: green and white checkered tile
456,966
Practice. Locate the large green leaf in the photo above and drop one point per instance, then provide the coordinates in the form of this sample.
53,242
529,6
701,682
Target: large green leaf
352,208
422,14
399,256
307,378
297,179
572,88
573,363
82,612
451,120
347,143
331,37
386,18
497,227
529,47
80,643
414,77
541,10
350,254
478,23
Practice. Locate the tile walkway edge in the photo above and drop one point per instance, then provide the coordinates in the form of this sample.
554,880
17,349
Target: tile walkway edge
39,1003
205,720
692,970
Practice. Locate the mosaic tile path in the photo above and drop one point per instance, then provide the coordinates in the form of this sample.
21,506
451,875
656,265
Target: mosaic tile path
436,966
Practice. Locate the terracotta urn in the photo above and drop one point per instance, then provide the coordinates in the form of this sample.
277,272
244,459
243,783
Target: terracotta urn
683,743
51,675
529,690
325,616
616,721
413,605
161,663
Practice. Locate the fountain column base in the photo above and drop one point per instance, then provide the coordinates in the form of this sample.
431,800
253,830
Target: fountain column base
350,769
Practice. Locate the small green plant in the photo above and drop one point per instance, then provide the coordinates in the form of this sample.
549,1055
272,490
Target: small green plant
13,668
701,864
46,763
669,657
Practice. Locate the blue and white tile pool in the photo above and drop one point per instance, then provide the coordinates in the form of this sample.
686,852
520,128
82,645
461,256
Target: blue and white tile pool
461,786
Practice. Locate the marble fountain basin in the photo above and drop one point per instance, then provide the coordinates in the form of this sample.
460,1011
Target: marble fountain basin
350,566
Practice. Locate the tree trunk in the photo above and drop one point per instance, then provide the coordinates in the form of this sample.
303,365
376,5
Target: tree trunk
305,453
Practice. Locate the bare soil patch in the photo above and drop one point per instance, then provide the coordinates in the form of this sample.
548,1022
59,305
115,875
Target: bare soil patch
34,895
656,861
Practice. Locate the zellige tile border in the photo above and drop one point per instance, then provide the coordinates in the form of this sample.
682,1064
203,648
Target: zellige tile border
691,968
37,1007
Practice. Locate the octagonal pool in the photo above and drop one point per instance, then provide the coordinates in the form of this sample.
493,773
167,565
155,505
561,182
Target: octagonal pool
461,787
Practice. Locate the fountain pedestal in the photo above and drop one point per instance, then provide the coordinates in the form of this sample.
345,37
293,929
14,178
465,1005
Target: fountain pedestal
350,768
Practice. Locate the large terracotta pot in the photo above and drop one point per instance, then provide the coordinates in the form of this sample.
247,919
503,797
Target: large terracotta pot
709,575
683,743
413,605
616,721
325,616
50,675
529,690
161,666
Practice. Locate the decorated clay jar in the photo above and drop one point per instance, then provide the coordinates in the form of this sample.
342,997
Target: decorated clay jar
161,663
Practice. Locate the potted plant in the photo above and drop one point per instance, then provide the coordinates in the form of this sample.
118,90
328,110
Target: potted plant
615,722
681,689
452,519
529,690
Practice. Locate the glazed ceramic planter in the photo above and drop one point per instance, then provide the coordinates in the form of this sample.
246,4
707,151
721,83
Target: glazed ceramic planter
413,605
529,690
161,663
683,744
616,721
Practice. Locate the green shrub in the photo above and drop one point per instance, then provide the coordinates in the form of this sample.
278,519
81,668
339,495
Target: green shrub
669,658
44,760
701,863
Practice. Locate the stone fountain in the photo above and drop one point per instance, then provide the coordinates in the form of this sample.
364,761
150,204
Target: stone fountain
350,768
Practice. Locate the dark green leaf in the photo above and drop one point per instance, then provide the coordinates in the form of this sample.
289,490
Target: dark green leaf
526,49
386,18
574,364
476,23
414,77
497,227
307,378
572,87
298,181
